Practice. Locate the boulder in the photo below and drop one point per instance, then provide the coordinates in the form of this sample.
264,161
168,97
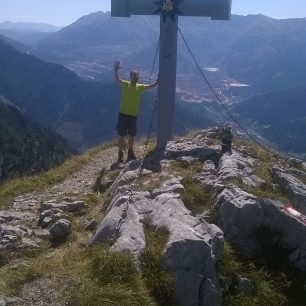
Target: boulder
178,149
60,229
240,216
231,166
293,187
243,216
75,206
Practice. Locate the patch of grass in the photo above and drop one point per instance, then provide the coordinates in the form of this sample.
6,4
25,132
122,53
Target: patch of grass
115,280
196,198
266,290
158,281
267,191
22,276
15,187
101,277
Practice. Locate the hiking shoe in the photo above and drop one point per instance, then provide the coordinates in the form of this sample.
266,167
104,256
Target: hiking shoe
120,157
131,155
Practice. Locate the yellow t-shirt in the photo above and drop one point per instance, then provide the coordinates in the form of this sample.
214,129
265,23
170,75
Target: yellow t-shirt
130,98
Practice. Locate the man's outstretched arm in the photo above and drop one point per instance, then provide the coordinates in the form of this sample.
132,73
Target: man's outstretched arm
116,70
152,85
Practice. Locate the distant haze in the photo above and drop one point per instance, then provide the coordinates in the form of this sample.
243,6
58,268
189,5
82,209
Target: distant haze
64,12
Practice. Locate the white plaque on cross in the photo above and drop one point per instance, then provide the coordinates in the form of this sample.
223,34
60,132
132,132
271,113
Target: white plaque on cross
169,10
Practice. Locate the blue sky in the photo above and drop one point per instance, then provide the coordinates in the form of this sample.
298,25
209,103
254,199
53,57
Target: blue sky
64,12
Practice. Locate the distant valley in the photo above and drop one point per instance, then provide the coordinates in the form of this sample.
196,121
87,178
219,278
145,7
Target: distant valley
256,50
280,116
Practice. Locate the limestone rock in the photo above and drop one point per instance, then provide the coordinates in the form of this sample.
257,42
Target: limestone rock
237,166
75,206
173,185
53,206
293,187
243,285
60,229
231,166
242,216
193,248
178,149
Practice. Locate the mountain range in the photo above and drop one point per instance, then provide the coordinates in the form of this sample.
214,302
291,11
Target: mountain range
27,32
256,50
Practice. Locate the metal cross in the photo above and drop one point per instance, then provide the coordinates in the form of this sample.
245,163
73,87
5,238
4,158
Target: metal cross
169,11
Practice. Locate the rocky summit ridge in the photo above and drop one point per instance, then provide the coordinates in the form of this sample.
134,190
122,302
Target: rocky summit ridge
201,200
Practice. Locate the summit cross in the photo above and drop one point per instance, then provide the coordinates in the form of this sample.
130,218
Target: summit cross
169,10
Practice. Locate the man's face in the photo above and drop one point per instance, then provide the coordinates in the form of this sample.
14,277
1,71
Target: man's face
134,75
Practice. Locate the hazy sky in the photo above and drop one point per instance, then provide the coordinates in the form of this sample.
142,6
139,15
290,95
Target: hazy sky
64,12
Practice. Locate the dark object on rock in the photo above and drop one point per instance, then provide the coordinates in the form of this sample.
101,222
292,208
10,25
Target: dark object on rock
226,139
243,285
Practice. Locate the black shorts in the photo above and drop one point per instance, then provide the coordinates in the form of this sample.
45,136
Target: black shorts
126,125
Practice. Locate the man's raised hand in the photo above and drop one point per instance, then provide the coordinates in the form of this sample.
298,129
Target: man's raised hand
117,65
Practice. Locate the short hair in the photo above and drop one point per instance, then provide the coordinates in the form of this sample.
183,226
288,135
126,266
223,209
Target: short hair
135,72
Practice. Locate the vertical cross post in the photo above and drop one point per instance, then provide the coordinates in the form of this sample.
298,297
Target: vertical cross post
167,81
169,11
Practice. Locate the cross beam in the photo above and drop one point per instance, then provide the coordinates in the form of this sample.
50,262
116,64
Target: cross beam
169,11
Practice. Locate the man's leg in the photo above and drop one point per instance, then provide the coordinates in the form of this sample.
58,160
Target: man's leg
122,131
132,130
130,142
121,143
131,154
